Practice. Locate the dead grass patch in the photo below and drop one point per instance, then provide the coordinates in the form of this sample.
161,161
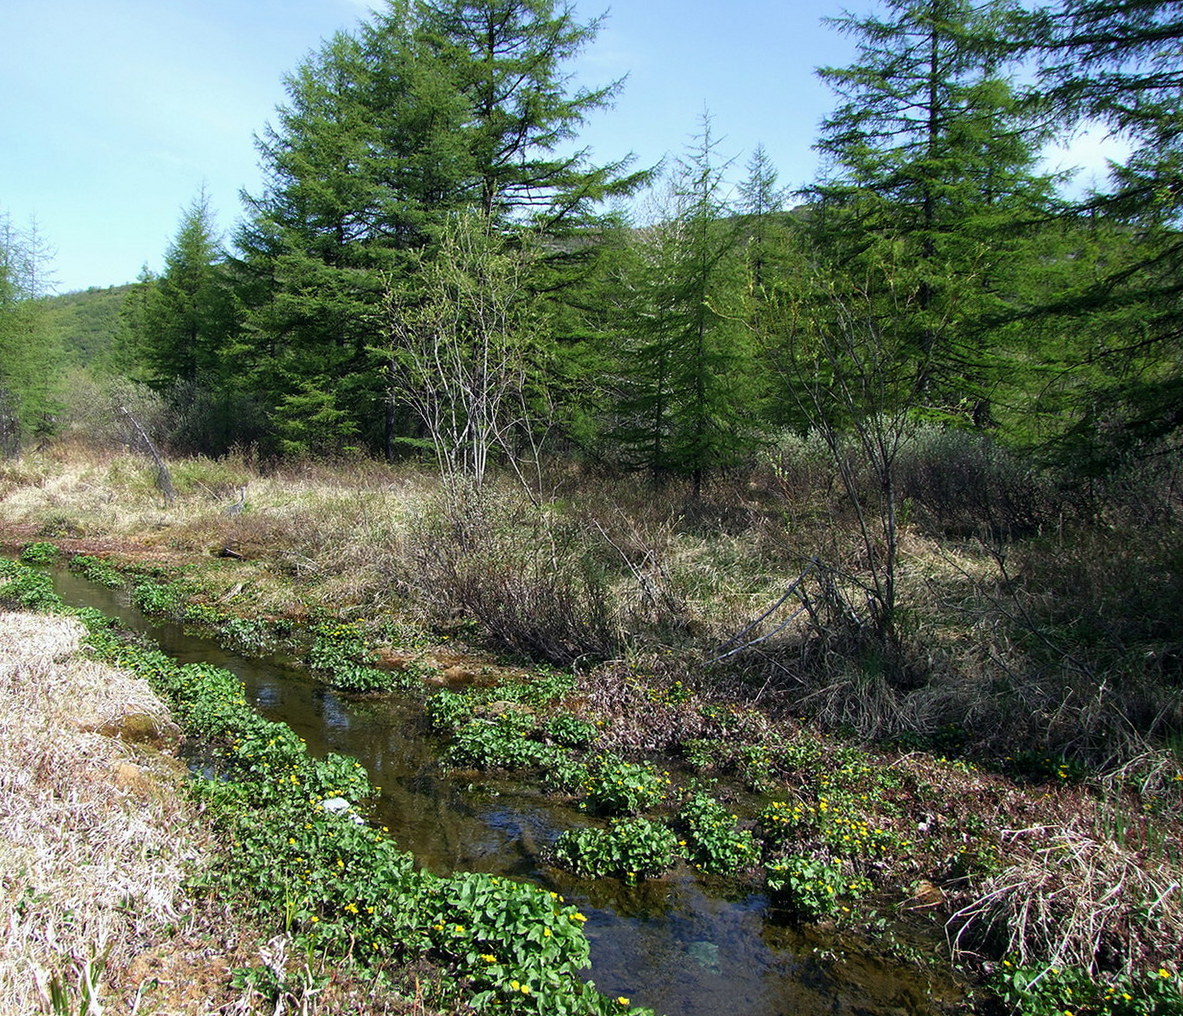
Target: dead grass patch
95,840
1055,641
1079,901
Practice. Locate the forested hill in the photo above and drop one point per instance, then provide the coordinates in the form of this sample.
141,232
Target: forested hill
84,325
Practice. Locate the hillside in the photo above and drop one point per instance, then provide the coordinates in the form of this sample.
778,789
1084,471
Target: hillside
85,323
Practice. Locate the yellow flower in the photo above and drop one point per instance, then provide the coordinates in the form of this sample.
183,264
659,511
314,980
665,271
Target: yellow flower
1163,972
622,1000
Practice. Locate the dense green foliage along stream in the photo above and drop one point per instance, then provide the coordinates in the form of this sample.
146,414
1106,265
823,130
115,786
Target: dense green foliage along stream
667,944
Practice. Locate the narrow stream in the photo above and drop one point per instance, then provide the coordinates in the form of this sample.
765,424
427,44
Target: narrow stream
670,945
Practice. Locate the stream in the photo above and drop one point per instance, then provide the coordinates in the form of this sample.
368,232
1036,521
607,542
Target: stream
672,944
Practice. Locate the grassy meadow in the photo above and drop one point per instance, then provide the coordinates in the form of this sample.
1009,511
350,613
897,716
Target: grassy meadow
960,706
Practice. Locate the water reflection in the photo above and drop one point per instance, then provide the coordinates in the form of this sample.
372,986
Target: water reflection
333,711
667,944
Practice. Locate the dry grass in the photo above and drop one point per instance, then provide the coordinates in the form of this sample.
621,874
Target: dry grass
1080,901
1065,649
95,842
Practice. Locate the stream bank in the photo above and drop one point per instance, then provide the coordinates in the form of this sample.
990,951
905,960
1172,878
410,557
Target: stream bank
669,944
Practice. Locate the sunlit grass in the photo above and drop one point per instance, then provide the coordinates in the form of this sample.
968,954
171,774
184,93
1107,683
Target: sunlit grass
95,842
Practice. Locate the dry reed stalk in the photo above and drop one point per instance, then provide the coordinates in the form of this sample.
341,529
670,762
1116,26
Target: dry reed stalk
1080,902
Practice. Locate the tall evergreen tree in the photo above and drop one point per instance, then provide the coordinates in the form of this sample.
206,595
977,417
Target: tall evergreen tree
931,170
762,200
31,358
507,59
129,353
770,245
1121,62
319,238
189,317
184,324
431,108
689,397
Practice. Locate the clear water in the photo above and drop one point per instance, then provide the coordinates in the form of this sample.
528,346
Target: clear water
673,944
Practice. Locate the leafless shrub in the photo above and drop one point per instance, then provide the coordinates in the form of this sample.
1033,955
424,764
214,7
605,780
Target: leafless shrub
460,351
797,467
528,576
562,615
96,412
964,483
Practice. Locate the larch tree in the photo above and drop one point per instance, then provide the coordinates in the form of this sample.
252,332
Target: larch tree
931,170
429,109
190,318
30,355
188,323
1120,62
762,201
508,60
688,400
318,239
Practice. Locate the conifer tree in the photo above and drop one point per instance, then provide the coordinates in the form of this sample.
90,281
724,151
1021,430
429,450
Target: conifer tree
931,170
1121,361
432,108
689,398
184,324
761,203
31,357
508,62
770,245
189,318
319,237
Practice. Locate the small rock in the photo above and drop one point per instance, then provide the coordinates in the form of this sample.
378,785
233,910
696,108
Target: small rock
339,806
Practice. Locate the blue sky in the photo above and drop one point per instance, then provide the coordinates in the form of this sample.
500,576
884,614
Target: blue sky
117,112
